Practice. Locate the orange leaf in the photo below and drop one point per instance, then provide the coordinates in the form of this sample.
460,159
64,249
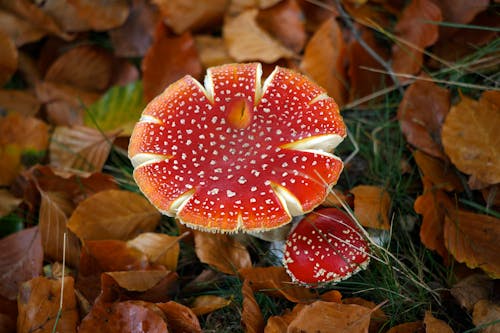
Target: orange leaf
378,317
8,202
25,132
459,12
159,248
336,198
332,296
324,58
223,252
331,317
251,316
470,136
20,31
104,216
412,327
421,114
101,14
39,301
22,101
367,13
21,258
276,282
416,33
180,318
485,315
208,303
434,325
169,58
435,170
10,155
138,280
371,206
212,51
279,324
8,58
473,239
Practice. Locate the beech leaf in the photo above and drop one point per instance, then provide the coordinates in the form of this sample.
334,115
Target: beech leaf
371,206
138,280
212,51
378,317
485,315
472,289
159,248
434,325
28,133
251,316
20,101
208,303
279,324
435,170
8,58
102,14
411,327
8,202
180,318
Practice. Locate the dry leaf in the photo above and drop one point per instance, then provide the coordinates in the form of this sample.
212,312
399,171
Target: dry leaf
212,51
180,318
279,324
412,327
247,41
421,114
8,58
38,302
138,280
369,14
371,206
459,11
276,282
378,317
336,198
486,313
20,31
21,258
332,296
223,252
23,102
434,325
10,155
28,133
472,289
80,148
208,303
251,316
473,239
439,174
332,318
65,15
159,248
102,14
8,202
105,216
324,58
169,58
470,136
415,33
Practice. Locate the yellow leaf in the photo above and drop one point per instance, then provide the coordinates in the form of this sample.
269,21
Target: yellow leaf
159,248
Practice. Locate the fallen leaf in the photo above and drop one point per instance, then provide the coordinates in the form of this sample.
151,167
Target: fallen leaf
169,58
316,15
491,195
279,324
470,139
274,281
39,302
332,296
159,248
247,41
212,51
21,258
28,133
472,289
23,102
138,280
331,317
485,315
102,15
371,206
434,325
208,303
324,58
220,251
415,33
237,6
8,58
8,202
421,114
19,30
411,327
10,155
251,316
369,14
438,172
461,11
104,216
336,198
180,318
377,318
473,239
65,15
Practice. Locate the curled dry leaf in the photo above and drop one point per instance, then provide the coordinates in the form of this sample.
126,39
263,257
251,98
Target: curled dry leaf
39,301
415,33
486,314
159,248
421,114
247,41
23,102
169,58
371,206
104,216
473,239
80,148
331,317
251,316
434,325
472,289
377,317
180,318
138,280
8,58
324,58
223,252
438,172
332,296
470,136
279,324
21,258
208,303
212,51
101,14
411,327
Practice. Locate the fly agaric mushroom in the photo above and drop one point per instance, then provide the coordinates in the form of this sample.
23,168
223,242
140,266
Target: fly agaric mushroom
236,155
325,246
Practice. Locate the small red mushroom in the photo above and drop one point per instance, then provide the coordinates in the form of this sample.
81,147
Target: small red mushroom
325,246
238,155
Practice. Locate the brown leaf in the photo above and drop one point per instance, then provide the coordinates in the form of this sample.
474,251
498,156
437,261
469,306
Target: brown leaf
251,316
7,324
459,11
412,327
102,14
159,248
8,58
208,303
276,282
21,258
65,15
435,170
472,289
331,317
80,148
8,202
377,317
138,280
473,239
279,324
368,13
324,58
28,133
212,51
20,31
222,252
180,318
421,114
39,301
336,198
434,325
247,41
371,206
104,216
169,58
470,136
20,101
415,34
486,313
332,296
285,23
10,155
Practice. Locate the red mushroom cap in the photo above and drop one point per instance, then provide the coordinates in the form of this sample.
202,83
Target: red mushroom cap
325,246
235,154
